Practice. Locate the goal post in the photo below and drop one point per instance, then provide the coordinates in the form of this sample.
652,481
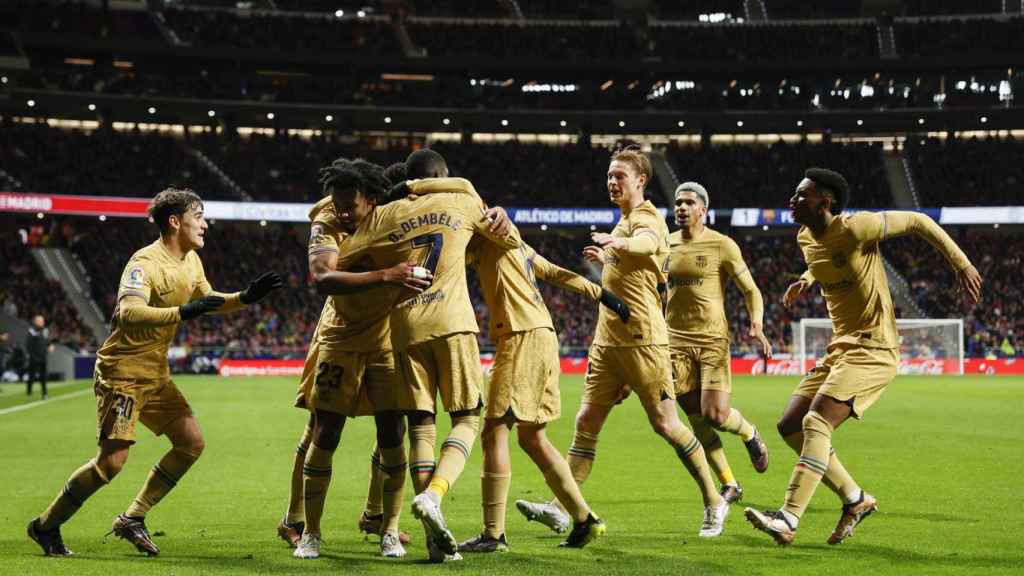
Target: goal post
927,346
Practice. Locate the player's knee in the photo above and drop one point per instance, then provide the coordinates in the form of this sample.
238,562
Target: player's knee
815,423
586,421
420,418
714,415
390,429
111,465
788,425
531,441
193,447
327,437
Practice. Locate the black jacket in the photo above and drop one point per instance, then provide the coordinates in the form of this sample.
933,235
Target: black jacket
37,343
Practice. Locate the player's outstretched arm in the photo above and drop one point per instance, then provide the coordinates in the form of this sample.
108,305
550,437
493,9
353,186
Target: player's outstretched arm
733,262
643,242
133,311
329,281
797,289
555,275
899,223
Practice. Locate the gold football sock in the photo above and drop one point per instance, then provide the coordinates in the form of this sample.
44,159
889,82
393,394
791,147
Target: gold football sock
566,490
812,464
690,451
494,492
737,424
454,452
82,484
162,478
421,455
392,470
582,452
375,491
713,450
581,456
296,511
316,475
836,477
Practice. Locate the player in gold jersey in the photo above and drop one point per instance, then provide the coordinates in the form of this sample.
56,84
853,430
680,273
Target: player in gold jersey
433,333
634,353
701,263
842,254
162,285
371,520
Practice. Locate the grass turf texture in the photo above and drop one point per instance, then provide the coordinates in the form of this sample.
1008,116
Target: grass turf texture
942,454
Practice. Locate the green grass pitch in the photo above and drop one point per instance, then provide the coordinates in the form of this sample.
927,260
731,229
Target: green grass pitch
942,454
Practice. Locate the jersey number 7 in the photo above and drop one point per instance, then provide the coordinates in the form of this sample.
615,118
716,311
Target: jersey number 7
435,241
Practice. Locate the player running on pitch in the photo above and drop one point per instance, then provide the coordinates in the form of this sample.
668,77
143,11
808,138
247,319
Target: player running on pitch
701,263
162,285
842,254
634,353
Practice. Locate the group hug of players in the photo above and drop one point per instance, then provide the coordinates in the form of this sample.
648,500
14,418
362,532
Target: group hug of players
390,249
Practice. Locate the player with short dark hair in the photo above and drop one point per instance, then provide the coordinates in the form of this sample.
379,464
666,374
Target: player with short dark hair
701,264
162,285
843,256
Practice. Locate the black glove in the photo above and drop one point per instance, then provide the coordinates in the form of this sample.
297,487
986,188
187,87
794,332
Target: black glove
200,307
260,287
616,304
399,191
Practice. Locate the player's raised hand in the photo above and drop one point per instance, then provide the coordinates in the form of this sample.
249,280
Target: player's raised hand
260,287
757,332
199,307
409,275
794,292
606,240
968,280
616,304
500,223
594,254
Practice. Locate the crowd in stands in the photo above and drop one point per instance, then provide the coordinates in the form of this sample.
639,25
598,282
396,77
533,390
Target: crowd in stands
967,172
977,38
766,176
280,327
321,36
103,162
993,327
521,174
25,291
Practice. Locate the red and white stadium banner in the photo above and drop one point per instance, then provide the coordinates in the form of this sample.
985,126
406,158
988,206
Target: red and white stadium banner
776,367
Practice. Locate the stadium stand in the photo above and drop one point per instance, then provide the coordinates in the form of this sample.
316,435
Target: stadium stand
967,172
766,176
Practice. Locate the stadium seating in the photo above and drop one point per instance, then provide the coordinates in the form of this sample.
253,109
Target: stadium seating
999,317
967,172
766,176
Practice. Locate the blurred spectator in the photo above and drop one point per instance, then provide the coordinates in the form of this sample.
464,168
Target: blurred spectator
38,347
967,172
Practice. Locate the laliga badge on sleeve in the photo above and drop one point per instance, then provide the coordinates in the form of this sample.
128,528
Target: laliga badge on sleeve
136,278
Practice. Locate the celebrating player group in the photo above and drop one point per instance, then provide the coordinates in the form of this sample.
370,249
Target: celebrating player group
389,249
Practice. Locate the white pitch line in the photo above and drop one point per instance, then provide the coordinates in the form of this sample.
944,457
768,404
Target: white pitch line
21,407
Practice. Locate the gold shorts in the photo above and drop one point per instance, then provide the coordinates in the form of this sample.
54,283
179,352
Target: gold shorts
449,365
701,368
852,374
354,383
647,369
123,402
525,377
308,371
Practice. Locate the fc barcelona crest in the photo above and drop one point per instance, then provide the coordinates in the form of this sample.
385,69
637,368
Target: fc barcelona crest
839,260
702,261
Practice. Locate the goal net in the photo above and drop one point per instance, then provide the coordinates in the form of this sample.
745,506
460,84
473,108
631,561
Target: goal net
927,346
